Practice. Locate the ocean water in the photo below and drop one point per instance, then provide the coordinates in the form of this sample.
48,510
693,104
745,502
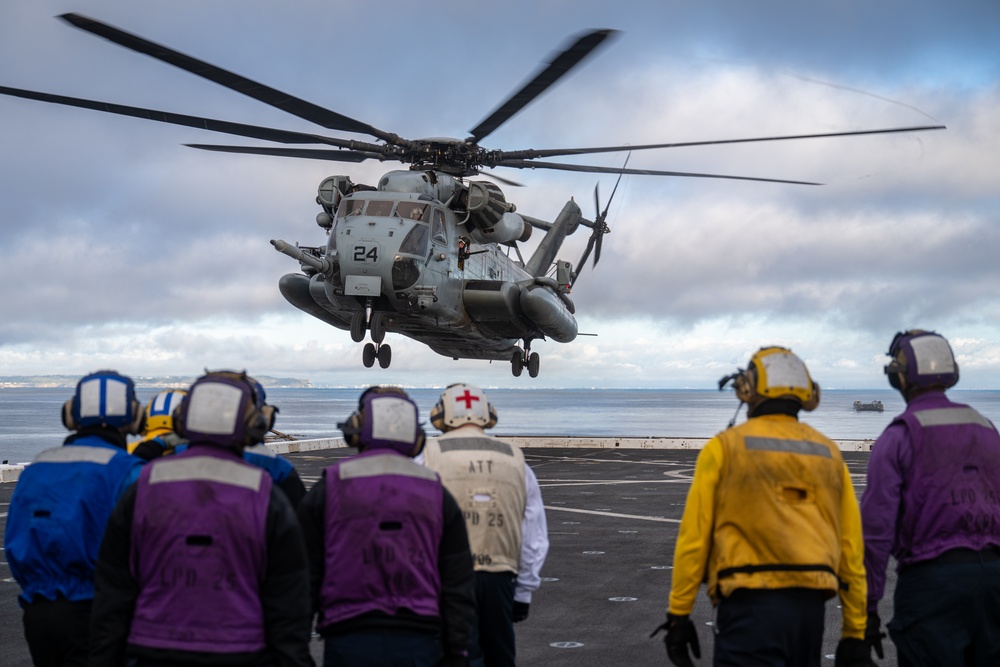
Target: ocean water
30,417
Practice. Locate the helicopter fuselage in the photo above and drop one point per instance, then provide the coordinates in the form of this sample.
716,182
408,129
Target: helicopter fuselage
414,252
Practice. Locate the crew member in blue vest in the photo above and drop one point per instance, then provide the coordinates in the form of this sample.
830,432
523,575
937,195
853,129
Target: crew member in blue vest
389,561
933,502
203,561
160,439
504,516
59,511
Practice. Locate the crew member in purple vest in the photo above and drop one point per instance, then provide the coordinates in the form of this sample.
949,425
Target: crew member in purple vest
389,560
203,561
933,502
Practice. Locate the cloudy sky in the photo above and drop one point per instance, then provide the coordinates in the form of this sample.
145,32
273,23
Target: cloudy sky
121,248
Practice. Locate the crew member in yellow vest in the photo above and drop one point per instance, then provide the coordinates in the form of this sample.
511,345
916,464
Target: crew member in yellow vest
772,526
502,504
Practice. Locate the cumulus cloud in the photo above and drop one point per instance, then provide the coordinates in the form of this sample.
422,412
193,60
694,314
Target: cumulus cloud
119,243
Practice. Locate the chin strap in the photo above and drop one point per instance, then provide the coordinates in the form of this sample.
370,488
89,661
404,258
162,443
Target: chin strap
736,414
722,385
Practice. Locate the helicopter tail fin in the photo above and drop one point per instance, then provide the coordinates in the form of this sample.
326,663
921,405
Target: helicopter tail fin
545,254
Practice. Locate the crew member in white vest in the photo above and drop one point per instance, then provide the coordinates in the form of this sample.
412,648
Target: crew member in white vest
502,505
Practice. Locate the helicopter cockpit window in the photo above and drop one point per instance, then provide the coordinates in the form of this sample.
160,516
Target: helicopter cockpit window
411,210
415,242
378,208
350,207
437,228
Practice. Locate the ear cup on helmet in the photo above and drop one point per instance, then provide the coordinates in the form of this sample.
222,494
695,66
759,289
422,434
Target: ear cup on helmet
493,416
67,416
744,385
139,416
437,416
179,416
258,422
352,428
895,370
813,402
421,441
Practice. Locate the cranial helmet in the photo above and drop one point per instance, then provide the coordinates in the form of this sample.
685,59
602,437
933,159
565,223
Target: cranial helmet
774,372
226,409
462,404
920,360
386,418
104,398
159,415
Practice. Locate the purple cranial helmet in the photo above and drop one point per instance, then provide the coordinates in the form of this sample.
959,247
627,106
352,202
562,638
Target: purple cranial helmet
921,359
225,409
386,418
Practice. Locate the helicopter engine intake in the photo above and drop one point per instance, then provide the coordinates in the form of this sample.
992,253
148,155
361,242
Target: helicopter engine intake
493,217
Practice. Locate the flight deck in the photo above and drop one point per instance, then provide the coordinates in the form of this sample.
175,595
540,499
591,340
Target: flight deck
613,517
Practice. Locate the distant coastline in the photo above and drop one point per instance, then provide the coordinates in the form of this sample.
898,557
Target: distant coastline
166,382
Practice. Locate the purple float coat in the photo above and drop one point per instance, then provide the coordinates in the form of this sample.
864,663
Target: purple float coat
933,486
383,529
199,553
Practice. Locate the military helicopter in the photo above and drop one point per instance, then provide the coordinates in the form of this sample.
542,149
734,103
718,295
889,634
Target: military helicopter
427,252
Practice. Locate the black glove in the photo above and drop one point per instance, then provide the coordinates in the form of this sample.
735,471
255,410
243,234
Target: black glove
681,633
455,660
874,635
520,611
853,652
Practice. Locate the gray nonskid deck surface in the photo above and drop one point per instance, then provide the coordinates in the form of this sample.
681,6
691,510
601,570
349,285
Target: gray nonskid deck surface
613,517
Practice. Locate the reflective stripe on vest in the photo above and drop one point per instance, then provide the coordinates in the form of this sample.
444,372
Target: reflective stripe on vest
951,417
77,454
207,469
791,446
479,445
386,464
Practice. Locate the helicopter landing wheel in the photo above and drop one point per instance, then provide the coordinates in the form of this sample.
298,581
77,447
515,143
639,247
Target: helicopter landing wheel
368,355
377,326
533,363
384,355
517,363
358,326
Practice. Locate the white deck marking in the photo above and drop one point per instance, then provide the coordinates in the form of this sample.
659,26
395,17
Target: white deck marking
617,515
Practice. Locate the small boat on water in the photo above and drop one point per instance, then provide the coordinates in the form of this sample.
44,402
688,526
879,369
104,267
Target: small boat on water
874,406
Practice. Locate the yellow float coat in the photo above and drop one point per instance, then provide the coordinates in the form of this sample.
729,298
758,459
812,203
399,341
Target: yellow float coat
771,506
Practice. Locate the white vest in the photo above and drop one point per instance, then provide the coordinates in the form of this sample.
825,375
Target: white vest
486,477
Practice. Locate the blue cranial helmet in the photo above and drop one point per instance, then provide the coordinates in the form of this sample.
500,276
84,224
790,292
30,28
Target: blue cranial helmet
104,398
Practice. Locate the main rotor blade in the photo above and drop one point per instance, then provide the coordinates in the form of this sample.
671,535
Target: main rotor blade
309,153
558,67
525,164
276,98
200,122
505,181
556,152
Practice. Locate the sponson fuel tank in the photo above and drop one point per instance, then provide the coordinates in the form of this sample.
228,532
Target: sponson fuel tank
501,307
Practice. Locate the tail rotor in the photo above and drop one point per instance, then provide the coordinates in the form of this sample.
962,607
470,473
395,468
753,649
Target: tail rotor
599,225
